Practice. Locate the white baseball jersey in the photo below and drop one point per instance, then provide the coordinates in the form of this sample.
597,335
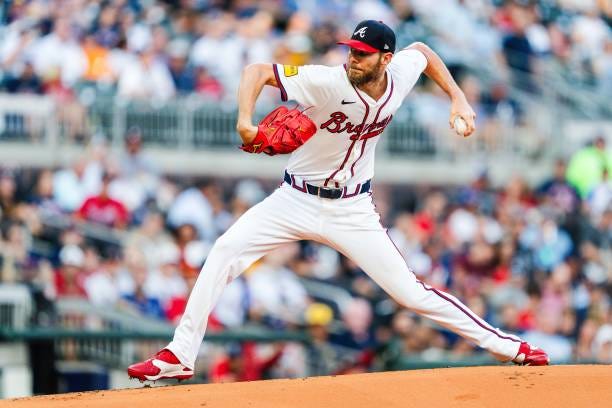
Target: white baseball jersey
349,122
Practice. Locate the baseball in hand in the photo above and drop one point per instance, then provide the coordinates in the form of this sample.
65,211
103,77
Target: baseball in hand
460,126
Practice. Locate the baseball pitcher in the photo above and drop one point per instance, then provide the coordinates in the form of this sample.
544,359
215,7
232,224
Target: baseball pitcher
326,195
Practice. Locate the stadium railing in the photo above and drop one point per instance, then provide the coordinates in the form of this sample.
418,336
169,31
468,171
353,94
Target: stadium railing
190,136
114,336
15,306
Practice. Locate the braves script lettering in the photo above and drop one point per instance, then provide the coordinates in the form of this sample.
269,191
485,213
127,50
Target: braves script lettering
338,123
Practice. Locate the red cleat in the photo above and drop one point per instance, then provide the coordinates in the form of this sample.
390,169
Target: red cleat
531,356
162,365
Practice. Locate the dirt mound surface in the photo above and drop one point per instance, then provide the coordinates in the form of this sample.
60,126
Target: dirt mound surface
556,386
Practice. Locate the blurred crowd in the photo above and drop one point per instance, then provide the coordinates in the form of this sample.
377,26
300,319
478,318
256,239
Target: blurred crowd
533,260
112,229
155,49
519,62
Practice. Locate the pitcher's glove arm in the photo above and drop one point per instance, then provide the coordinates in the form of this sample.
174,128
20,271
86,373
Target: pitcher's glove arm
282,131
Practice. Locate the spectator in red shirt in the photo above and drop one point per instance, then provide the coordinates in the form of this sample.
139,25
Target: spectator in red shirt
104,210
70,276
208,85
241,363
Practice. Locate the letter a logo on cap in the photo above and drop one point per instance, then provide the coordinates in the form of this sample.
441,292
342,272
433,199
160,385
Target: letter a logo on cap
361,32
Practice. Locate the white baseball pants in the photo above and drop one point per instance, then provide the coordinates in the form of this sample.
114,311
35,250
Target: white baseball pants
351,226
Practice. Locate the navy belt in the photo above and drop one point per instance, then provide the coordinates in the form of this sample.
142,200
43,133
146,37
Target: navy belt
324,192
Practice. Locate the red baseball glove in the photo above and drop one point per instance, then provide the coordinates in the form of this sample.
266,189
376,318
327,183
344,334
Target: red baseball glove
281,131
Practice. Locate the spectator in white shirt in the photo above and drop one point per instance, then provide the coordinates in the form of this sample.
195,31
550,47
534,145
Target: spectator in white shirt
72,185
105,286
165,282
590,33
149,237
275,290
16,47
193,207
146,78
60,51
216,36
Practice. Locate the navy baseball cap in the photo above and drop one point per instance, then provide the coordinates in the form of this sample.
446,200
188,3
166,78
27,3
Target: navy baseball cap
372,36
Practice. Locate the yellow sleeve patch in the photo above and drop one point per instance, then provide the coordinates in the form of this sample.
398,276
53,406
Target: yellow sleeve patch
290,70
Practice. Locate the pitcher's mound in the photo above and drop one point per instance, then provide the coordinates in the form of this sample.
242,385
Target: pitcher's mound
556,386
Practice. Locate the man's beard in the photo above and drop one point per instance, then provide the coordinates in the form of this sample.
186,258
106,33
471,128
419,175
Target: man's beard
364,77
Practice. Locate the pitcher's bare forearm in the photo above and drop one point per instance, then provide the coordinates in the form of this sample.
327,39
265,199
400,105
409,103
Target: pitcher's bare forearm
252,81
437,71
